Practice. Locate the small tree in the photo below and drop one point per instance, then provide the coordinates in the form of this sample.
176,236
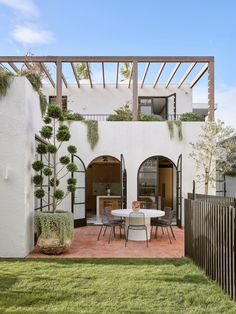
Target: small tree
212,152
55,133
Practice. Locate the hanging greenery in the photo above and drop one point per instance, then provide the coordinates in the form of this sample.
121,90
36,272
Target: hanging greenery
43,103
60,222
5,81
170,125
92,132
178,124
83,70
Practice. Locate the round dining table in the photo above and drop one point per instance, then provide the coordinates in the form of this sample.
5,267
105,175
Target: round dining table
138,235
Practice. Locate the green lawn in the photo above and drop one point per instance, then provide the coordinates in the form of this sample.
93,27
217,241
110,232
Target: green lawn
108,286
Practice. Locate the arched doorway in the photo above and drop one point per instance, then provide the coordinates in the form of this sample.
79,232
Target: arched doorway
103,186
159,184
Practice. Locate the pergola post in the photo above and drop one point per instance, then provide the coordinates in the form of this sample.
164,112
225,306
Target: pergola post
135,91
59,83
211,92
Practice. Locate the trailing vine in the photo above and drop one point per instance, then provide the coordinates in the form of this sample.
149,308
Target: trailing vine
33,77
92,132
60,222
170,125
178,124
5,81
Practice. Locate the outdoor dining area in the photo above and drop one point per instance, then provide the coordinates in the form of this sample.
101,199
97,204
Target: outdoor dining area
127,233
137,223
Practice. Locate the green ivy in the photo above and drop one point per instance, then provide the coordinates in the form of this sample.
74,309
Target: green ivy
92,132
62,223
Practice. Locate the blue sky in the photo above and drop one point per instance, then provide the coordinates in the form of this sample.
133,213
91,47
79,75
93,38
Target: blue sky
131,27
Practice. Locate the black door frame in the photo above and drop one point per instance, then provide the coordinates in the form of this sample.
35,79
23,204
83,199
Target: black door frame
82,221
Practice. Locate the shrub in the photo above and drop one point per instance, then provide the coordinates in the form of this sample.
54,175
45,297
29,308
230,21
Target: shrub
39,193
122,114
72,149
72,116
149,117
64,160
38,165
192,116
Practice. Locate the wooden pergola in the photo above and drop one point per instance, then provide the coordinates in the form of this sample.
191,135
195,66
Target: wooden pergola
208,62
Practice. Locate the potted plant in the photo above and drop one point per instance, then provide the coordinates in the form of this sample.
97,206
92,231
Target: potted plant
55,228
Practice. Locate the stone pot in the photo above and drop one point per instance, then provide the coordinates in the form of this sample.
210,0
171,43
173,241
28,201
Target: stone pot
52,245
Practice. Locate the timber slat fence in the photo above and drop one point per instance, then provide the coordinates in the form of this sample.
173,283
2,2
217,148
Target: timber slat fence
210,238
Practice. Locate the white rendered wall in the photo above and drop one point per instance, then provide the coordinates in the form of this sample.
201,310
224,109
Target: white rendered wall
138,141
19,120
87,100
230,186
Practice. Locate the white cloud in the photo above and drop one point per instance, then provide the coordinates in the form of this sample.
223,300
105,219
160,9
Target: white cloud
26,7
32,34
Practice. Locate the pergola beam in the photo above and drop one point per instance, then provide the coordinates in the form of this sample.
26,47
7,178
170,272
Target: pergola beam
159,74
100,59
45,70
59,83
117,74
27,65
186,74
64,80
200,74
89,74
135,91
130,77
172,74
145,74
75,74
103,75
14,67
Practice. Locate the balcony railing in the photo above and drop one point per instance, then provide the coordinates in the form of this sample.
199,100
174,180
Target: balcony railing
104,116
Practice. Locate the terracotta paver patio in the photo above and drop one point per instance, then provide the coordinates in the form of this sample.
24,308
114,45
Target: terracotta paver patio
85,245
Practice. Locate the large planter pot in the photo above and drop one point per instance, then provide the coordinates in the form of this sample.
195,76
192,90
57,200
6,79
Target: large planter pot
55,231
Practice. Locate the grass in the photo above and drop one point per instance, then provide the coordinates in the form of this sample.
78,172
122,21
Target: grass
108,286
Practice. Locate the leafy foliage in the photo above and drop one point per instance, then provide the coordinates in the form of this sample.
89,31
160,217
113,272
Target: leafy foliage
125,71
72,181
34,78
55,133
39,193
43,103
72,149
72,116
38,179
213,150
38,165
5,81
62,223
41,149
92,132
58,194
46,132
83,70
121,114
192,116
64,160
47,171
149,117
71,167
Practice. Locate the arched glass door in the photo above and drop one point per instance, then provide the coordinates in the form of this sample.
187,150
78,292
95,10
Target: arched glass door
123,182
78,198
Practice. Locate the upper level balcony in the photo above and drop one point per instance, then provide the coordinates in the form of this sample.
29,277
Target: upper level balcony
97,86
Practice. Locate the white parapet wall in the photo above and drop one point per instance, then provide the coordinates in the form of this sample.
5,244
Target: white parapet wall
138,141
19,119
